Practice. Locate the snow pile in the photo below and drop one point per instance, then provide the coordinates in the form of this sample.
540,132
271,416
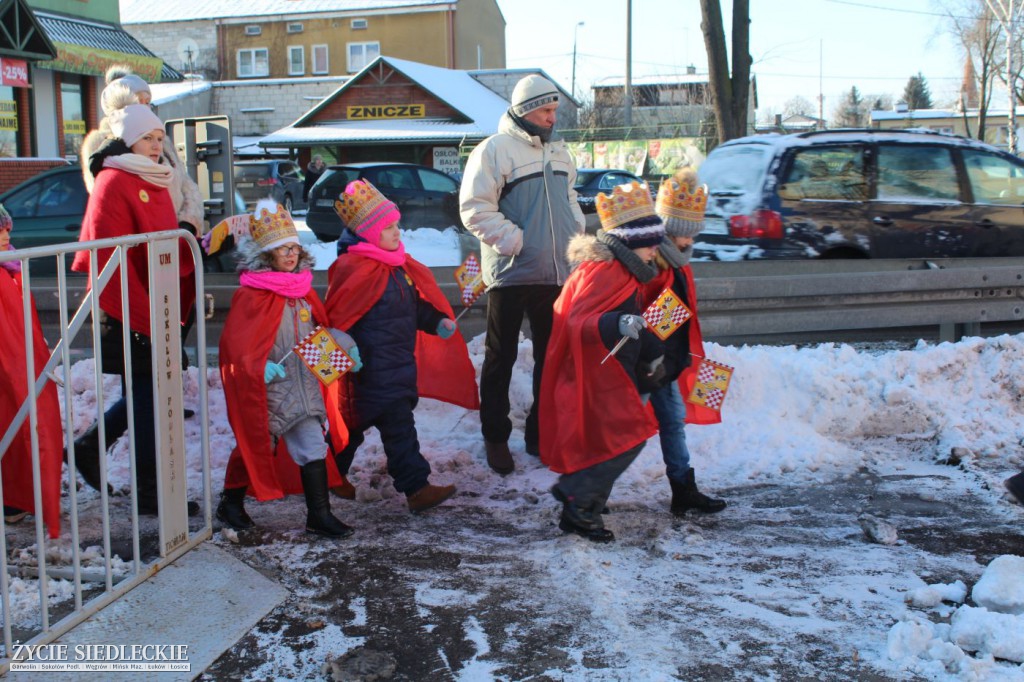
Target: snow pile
975,637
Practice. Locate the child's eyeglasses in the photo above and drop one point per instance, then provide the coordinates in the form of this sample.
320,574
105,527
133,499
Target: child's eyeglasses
288,249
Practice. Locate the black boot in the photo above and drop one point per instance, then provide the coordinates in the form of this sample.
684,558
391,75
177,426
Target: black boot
1015,484
87,457
686,496
319,518
231,509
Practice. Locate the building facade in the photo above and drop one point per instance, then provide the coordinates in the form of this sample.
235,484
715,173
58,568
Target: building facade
228,40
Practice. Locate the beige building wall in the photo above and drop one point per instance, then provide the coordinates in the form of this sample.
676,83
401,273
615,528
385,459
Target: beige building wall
417,37
479,35
165,40
261,107
996,125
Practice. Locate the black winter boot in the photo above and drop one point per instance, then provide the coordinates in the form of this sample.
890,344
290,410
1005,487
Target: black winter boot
1015,484
319,518
231,509
87,457
686,496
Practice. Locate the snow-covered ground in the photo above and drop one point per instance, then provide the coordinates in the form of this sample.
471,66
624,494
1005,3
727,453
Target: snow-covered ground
801,418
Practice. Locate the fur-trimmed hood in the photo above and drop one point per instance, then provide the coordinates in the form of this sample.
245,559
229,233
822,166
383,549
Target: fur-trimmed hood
585,247
605,247
251,259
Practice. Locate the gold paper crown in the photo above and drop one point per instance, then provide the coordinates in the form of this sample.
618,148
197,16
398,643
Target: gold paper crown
677,201
355,207
626,204
271,230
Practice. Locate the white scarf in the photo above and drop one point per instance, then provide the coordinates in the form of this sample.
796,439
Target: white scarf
143,166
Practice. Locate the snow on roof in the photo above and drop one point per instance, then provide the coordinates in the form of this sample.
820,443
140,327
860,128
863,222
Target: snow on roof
154,11
671,79
249,145
456,88
879,115
164,93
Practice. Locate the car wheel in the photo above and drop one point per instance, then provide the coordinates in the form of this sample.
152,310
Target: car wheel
288,202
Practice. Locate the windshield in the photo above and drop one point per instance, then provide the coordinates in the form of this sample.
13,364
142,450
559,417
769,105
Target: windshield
585,176
735,169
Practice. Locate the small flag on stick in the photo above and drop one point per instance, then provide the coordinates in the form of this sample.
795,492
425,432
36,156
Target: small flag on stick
712,384
323,356
666,314
470,281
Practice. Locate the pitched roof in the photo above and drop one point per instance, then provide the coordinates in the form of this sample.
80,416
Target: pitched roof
480,105
155,11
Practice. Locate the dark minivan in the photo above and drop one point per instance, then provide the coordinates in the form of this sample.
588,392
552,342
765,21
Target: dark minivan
861,194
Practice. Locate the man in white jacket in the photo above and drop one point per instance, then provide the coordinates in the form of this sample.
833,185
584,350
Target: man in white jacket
517,196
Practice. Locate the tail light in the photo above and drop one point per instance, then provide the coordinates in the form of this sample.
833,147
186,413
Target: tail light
761,224
266,182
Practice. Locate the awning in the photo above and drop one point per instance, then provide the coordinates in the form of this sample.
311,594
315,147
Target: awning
22,37
90,48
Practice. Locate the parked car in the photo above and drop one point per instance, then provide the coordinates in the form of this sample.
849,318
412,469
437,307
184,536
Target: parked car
425,197
49,208
862,194
279,179
592,181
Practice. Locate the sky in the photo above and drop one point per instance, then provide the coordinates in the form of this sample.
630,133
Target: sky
799,47
796,418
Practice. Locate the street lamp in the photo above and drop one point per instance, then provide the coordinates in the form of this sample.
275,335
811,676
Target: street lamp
575,32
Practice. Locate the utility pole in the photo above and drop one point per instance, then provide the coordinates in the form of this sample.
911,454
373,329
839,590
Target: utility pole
575,34
629,65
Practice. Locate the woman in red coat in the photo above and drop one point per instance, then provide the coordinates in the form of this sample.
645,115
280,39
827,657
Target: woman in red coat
131,197
19,496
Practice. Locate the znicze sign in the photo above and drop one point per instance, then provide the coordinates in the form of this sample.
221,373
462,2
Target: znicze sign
369,112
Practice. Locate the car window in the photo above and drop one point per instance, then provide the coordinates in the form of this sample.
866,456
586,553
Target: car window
288,170
612,180
738,169
832,173
252,172
22,204
62,194
994,179
916,172
395,178
583,177
436,182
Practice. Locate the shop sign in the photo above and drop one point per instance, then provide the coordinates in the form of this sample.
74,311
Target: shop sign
368,112
8,115
446,159
94,61
13,72
74,127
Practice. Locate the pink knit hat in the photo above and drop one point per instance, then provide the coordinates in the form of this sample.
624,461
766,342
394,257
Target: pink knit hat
365,211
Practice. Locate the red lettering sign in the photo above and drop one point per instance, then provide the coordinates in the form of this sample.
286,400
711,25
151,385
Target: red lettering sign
14,72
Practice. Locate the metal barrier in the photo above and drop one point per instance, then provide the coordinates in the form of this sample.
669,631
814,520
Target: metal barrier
93,590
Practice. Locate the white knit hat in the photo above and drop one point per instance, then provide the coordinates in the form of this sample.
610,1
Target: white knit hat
532,93
121,91
132,122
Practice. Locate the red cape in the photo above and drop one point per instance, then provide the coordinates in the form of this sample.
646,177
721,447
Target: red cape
695,414
589,412
17,461
443,368
245,344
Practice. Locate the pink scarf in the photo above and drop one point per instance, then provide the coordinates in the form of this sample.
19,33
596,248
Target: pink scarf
392,258
13,265
287,284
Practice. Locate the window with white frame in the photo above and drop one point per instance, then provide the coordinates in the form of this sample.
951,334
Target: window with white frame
253,30
361,54
253,63
320,63
294,28
359,24
296,60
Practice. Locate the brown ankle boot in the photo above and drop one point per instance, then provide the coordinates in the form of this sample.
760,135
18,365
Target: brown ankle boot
429,496
499,458
345,491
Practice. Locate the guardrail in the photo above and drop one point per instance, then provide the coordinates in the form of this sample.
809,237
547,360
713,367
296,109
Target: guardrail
762,299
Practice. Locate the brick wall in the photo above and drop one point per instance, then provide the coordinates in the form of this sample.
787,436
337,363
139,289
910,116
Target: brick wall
13,171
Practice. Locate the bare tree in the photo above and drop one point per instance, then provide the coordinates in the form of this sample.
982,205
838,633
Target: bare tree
973,24
797,106
1008,14
729,94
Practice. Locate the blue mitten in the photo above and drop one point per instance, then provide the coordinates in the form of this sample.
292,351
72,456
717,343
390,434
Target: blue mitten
445,328
271,371
353,352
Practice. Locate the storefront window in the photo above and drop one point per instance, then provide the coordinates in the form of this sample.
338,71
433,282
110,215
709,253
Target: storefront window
74,114
8,122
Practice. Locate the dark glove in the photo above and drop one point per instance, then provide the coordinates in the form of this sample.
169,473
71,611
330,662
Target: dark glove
631,325
654,371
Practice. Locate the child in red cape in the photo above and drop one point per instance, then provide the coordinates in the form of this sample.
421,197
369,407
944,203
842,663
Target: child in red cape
19,496
680,205
593,422
276,406
405,332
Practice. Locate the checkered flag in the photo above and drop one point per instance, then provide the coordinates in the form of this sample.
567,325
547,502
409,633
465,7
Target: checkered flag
323,356
712,384
666,314
470,280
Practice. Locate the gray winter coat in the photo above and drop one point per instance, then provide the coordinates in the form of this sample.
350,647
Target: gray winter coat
517,196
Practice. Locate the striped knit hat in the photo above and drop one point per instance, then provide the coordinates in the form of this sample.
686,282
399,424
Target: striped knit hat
365,211
629,215
532,93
